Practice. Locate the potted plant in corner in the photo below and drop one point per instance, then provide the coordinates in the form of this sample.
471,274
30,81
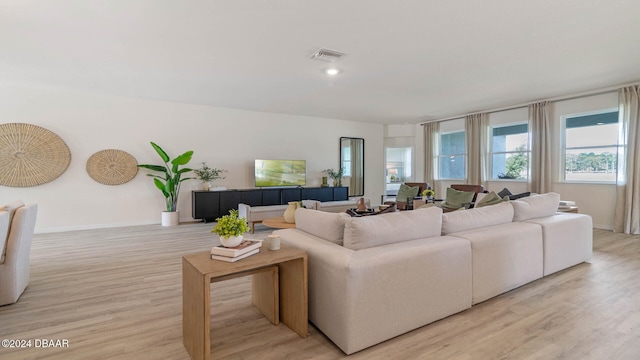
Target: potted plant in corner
230,228
169,181
208,176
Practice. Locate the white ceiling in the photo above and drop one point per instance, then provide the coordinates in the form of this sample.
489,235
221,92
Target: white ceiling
407,61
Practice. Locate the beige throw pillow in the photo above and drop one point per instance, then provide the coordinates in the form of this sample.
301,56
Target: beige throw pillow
535,206
456,221
457,199
325,225
370,231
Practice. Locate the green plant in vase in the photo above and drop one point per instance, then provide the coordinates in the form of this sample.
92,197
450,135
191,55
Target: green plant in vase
208,175
230,228
335,175
170,178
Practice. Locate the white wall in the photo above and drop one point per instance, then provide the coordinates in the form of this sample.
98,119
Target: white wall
224,138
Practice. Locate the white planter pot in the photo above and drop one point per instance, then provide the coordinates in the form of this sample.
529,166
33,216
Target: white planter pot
231,241
170,218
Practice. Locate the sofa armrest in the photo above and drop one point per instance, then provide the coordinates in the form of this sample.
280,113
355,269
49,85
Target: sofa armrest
394,279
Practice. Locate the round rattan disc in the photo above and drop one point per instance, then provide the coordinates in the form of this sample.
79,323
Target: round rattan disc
31,155
112,167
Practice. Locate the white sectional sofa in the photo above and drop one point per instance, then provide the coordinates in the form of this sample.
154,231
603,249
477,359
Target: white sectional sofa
376,277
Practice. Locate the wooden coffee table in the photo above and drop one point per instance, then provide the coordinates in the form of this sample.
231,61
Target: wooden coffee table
279,291
278,223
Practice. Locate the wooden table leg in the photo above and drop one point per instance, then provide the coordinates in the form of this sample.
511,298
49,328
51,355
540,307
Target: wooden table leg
265,295
294,295
196,312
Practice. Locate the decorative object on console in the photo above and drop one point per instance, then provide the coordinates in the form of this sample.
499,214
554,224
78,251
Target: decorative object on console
31,155
290,212
208,175
336,176
112,167
230,228
169,182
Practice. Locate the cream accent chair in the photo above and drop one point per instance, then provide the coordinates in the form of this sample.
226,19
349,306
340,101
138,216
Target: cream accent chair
14,269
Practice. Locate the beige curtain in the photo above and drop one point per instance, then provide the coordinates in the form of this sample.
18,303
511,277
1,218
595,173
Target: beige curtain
476,147
540,166
627,213
357,167
430,152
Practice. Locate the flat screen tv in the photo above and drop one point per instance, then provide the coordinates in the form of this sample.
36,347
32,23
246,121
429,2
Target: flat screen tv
280,173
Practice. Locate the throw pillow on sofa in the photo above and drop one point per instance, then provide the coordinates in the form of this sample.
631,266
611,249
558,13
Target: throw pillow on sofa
456,221
370,231
457,199
490,199
535,206
406,192
325,225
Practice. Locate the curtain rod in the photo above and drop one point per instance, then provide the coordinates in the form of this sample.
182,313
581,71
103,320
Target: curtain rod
554,99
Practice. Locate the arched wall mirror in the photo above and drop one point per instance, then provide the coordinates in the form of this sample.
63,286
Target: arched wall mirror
352,161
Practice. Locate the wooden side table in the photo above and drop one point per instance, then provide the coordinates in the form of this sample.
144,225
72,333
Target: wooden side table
279,291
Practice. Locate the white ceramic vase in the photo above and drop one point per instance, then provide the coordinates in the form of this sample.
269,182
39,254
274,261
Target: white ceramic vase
231,241
290,212
170,218
207,185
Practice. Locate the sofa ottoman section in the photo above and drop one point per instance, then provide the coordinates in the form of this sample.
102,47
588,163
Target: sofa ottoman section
567,240
505,257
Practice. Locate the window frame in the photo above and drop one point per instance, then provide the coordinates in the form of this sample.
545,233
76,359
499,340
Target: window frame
441,155
491,151
563,147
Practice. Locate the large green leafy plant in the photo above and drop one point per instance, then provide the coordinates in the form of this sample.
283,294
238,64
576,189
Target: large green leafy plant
171,175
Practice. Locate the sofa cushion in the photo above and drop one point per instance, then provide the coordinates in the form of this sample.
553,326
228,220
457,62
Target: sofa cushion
489,199
369,231
457,199
406,192
326,225
464,220
535,206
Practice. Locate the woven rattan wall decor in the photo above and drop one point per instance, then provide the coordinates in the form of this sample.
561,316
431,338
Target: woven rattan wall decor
112,167
31,155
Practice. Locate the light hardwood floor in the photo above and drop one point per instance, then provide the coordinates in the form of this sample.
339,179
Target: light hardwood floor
116,294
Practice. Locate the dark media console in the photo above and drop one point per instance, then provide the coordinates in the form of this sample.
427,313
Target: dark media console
209,205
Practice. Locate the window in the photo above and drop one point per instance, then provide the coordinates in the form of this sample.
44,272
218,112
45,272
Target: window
591,147
452,156
510,152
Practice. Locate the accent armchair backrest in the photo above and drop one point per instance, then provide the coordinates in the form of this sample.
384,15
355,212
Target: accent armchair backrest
422,186
14,272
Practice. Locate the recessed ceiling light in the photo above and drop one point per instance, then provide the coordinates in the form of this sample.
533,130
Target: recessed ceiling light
332,71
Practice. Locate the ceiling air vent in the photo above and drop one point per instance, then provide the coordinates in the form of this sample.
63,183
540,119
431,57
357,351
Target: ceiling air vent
326,55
